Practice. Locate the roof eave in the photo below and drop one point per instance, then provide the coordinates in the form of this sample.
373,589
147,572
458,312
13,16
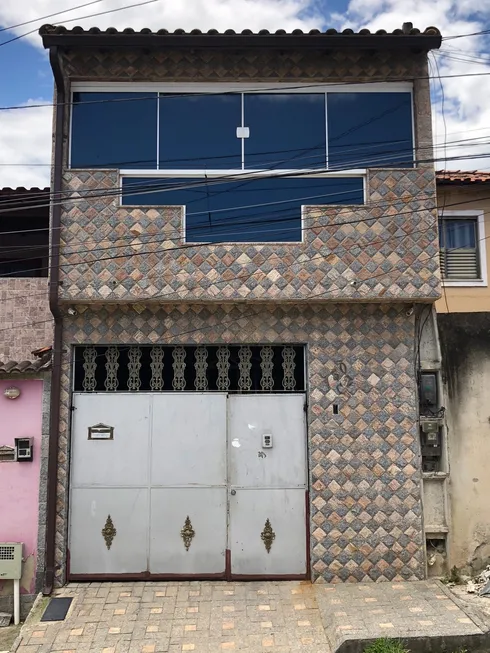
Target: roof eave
152,41
462,182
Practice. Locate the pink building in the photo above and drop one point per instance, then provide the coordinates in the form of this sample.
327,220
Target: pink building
25,355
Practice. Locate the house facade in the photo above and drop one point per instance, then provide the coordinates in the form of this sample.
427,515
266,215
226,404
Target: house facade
463,316
25,375
248,237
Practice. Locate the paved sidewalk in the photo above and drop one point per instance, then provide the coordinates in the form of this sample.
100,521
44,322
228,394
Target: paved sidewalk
204,617
255,617
414,611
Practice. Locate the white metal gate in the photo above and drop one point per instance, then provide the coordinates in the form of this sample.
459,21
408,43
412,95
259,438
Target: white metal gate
188,485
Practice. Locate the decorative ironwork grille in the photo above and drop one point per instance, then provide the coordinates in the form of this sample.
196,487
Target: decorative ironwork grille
204,368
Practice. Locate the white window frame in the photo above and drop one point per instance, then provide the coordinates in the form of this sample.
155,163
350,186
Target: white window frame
227,87
259,87
135,174
482,250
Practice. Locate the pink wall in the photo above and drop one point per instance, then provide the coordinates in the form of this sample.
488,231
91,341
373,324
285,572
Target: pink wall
19,482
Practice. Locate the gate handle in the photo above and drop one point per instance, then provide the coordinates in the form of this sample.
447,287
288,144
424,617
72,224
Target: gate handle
233,492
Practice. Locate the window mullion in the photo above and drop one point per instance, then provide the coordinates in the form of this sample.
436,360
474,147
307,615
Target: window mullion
243,125
477,247
158,131
326,130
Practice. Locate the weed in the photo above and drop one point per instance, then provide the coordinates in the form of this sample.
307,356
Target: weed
385,645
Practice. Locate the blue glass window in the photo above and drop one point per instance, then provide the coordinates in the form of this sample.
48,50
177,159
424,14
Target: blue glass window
369,130
199,132
287,130
258,210
114,130
456,234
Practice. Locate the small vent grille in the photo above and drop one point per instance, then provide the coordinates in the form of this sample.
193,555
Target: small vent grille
7,552
459,264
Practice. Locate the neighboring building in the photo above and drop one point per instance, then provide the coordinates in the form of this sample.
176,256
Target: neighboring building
247,245
464,329
25,351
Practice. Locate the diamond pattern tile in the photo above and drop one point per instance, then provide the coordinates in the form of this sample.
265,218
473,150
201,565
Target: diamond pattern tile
115,253
366,516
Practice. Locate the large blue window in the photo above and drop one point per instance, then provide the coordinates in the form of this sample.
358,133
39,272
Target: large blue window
369,130
286,130
199,132
114,130
242,131
253,210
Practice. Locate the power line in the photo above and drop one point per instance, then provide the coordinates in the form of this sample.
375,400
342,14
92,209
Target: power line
70,20
125,165
223,322
178,233
245,175
445,153
213,179
462,36
324,86
201,244
57,13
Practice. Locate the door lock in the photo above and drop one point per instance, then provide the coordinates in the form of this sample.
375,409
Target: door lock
233,492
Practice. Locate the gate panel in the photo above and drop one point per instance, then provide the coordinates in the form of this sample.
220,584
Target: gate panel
188,480
268,518
99,545
188,440
109,484
267,451
121,461
188,531
251,418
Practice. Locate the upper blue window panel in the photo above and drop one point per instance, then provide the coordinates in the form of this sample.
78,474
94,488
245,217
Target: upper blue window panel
369,130
114,130
287,130
254,210
199,132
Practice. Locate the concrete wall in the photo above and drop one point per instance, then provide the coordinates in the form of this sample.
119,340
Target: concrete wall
466,299
19,482
465,339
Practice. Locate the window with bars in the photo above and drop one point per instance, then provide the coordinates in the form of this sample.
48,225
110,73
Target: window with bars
459,248
204,368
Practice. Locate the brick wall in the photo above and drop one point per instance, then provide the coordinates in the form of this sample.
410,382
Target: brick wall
25,318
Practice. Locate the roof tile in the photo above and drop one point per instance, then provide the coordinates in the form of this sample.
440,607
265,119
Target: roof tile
461,177
40,364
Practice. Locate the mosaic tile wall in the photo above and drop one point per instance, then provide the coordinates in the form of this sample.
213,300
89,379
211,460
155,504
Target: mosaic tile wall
393,257
292,66
366,515
387,249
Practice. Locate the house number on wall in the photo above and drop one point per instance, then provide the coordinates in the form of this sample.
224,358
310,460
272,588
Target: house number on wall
101,432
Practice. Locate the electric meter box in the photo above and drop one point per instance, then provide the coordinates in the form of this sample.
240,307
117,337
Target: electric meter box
10,560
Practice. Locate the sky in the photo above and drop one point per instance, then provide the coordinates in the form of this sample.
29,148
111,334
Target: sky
460,69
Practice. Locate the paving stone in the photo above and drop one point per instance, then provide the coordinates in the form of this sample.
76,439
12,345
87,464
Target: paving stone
330,616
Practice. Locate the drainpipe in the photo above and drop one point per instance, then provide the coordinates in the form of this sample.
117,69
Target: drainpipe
54,277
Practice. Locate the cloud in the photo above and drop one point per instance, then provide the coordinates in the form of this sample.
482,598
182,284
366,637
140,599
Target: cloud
25,146
461,111
25,134
168,14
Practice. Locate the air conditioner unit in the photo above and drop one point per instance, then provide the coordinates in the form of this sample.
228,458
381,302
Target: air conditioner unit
10,560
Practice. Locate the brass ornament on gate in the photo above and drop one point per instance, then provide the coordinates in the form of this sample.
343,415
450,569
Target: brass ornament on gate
187,533
109,532
268,536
